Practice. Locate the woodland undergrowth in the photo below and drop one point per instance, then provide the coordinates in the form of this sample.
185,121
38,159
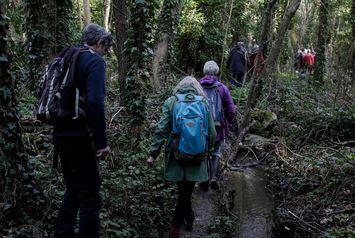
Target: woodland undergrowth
136,200
311,174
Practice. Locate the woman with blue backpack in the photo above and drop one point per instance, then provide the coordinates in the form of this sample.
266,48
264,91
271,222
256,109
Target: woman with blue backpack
187,125
223,112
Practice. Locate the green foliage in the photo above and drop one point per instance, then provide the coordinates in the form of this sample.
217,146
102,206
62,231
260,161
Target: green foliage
221,227
139,51
341,233
205,29
240,95
316,115
97,11
46,35
20,198
316,177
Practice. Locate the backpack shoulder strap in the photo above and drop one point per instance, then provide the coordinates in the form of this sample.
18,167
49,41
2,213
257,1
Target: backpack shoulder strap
216,84
180,97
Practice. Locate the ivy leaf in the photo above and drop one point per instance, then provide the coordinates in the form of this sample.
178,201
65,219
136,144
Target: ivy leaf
3,58
6,206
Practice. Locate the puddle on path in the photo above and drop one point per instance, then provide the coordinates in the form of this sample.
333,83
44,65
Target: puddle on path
252,203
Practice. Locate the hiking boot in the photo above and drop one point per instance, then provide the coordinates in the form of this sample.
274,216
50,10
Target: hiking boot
174,232
214,185
204,186
189,222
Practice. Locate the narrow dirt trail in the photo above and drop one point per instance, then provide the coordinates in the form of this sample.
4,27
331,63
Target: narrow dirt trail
203,204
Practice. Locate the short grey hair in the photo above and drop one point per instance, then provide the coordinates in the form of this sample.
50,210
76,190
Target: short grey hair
93,33
210,68
190,81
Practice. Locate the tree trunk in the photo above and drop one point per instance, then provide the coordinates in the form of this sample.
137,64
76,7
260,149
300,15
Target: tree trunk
272,60
323,39
352,65
168,20
107,5
265,34
257,80
79,14
87,13
39,39
17,186
63,10
46,35
120,20
137,81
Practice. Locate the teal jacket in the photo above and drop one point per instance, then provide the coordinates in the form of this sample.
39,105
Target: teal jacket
173,170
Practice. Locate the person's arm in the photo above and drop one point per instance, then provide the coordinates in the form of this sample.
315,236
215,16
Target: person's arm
95,102
228,105
162,129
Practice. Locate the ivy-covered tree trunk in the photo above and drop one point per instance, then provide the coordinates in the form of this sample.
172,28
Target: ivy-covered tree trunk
120,20
139,59
168,20
323,39
39,38
63,21
18,190
46,27
352,65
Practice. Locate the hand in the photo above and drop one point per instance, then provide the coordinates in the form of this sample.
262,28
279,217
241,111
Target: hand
101,153
150,161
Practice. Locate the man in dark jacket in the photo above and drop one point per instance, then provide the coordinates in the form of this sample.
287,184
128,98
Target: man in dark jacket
81,142
237,63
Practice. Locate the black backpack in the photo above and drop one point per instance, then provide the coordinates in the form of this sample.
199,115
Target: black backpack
59,96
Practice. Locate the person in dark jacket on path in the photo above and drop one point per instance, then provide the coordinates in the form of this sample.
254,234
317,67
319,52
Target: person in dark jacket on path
81,142
237,64
227,110
185,176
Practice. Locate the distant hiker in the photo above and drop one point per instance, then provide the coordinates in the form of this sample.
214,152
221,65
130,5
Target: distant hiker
298,60
255,55
223,112
312,61
302,64
237,63
74,105
187,124
308,60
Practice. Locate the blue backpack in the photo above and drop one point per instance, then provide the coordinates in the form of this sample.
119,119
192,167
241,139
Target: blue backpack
215,102
190,129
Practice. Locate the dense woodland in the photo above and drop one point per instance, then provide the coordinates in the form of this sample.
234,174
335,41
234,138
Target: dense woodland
305,125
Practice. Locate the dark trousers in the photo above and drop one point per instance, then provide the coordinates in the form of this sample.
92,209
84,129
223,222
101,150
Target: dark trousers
237,79
183,208
82,181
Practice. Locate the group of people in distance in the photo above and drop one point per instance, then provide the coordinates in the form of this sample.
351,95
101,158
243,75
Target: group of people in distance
304,62
193,126
242,61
